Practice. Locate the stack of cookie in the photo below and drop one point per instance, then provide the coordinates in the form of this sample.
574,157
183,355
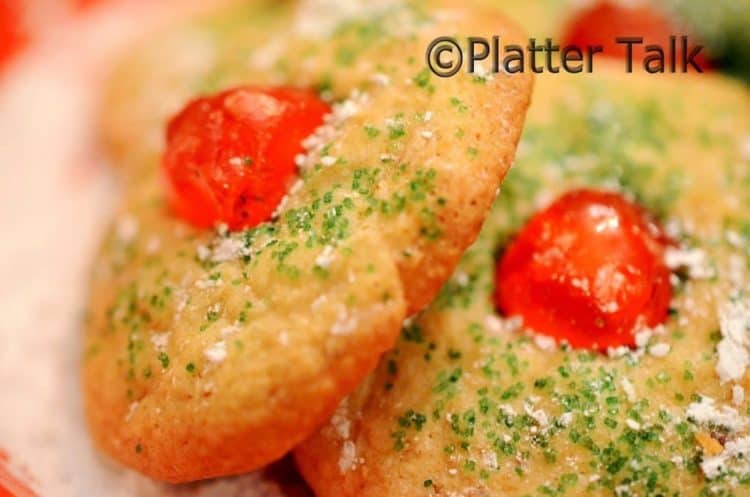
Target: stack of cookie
311,255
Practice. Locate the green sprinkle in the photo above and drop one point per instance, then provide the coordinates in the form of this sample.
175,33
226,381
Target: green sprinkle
396,131
371,131
460,106
422,80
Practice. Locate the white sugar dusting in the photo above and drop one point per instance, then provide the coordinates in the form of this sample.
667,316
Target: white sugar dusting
131,410
347,457
545,343
566,419
340,420
633,424
380,79
617,352
733,354
734,457
461,278
659,349
224,247
203,252
493,324
695,261
342,426
482,72
228,249
229,330
642,338
736,449
706,412
537,415
345,323
629,390
328,160
160,341
325,258
324,134
236,161
204,284
217,352
496,325
489,459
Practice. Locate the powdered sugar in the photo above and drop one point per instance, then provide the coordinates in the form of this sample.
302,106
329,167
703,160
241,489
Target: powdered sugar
325,258
629,390
345,323
537,415
340,419
328,131
633,424
545,343
733,355
659,349
348,455
706,412
160,341
735,457
229,248
216,353
695,261
224,247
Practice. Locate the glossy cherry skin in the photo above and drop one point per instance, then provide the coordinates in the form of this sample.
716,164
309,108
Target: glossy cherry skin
589,269
230,157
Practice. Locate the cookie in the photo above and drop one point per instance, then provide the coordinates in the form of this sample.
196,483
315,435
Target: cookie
472,403
412,118
214,352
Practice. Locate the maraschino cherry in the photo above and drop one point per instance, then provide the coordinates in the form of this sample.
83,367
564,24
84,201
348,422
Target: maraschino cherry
589,269
230,157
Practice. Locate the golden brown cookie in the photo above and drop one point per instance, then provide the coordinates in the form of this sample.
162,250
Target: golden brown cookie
213,353
465,132
469,404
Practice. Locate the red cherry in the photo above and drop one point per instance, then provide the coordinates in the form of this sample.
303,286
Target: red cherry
13,34
588,269
230,157
603,22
